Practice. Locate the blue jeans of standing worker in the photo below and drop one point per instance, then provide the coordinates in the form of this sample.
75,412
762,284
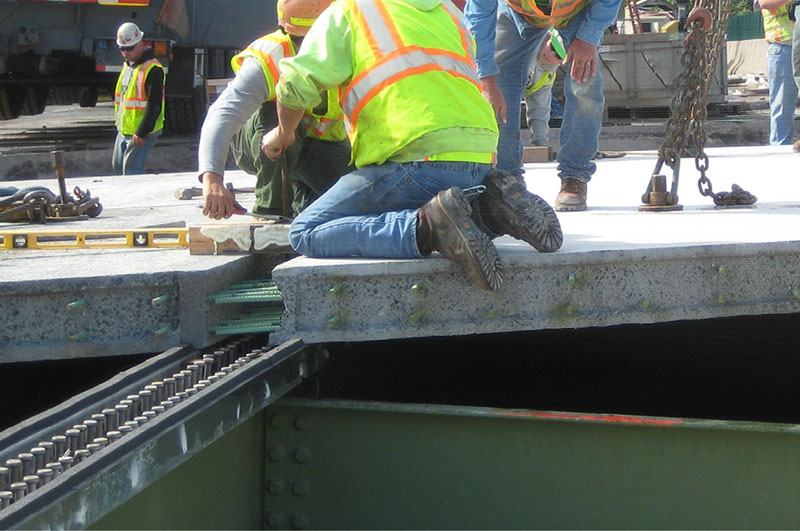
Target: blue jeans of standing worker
583,108
796,48
129,160
782,94
372,212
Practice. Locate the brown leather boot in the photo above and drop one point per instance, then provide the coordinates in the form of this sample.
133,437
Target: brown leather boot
507,207
445,224
572,196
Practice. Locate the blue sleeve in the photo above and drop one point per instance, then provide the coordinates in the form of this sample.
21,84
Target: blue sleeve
600,14
481,19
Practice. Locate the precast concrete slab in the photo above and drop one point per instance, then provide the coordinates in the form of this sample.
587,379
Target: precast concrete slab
99,302
617,265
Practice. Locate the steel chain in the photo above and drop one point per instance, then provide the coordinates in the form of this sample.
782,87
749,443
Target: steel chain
688,109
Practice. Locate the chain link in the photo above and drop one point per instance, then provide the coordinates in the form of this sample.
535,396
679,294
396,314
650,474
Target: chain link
688,109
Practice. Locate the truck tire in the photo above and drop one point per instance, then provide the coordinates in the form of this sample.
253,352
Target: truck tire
184,115
88,97
10,105
34,99
63,95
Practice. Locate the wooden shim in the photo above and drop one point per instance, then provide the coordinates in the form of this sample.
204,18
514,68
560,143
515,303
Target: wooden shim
239,238
537,154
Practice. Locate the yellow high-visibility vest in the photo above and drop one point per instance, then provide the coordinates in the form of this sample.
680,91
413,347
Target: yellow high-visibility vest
561,11
271,48
388,102
777,25
133,102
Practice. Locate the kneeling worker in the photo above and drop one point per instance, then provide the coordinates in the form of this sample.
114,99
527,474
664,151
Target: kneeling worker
420,131
246,110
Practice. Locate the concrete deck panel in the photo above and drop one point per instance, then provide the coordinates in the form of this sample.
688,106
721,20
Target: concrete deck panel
117,285
617,265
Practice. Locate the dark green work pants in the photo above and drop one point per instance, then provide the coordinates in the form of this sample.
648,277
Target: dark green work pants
312,165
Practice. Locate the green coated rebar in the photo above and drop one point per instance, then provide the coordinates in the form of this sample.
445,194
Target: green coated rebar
246,326
74,305
266,294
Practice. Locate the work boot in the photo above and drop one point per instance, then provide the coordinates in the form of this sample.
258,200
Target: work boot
507,207
572,196
445,224
796,147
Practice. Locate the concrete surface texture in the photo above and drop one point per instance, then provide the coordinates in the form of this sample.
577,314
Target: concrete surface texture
117,287
617,265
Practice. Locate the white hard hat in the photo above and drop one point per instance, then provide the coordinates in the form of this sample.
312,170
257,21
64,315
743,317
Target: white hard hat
129,34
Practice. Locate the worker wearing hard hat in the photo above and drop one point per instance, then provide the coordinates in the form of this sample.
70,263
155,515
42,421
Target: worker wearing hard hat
539,88
138,102
514,28
246,110
421,133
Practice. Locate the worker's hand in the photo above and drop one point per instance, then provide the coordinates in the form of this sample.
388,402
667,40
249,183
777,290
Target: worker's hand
138,141
584,60
276,141
219,201
495,98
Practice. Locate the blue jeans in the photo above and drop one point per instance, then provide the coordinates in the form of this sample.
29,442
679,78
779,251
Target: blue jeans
583,108
782,94
372,212
796,48
129,160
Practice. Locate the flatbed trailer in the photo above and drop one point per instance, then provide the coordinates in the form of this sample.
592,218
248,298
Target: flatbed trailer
63,52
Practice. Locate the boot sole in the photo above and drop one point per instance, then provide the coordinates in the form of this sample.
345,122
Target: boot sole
481,263
529,218
571,208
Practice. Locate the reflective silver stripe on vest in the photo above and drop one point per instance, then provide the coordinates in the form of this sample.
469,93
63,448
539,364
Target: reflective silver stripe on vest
377,26
398,65
456,13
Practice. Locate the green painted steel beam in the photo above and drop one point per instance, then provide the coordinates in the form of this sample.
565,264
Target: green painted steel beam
359,465
221,487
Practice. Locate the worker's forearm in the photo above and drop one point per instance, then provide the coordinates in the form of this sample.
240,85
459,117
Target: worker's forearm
600,14
288,118
481,19
241,98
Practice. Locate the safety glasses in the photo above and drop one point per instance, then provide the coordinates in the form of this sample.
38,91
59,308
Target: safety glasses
126,48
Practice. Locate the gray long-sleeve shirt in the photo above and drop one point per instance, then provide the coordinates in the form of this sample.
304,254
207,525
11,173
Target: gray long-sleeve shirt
241,98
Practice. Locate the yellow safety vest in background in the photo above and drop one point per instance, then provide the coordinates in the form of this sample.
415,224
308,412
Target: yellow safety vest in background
134,100
328,124
387,103
561,11
548,78
777,25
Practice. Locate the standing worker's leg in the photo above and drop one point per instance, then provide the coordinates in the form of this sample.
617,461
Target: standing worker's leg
537,112
513,56
135,158
120,145
796,48
246,148
782,94
580,131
